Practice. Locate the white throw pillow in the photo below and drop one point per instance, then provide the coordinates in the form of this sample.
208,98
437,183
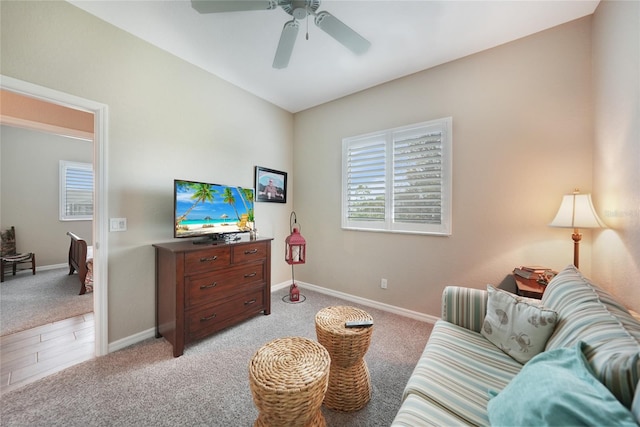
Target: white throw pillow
517,326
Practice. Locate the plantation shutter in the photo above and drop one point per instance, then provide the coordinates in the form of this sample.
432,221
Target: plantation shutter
399,180
366,176
417,179
76,188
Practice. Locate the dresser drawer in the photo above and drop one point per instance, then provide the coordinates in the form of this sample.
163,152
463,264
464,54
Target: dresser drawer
251,252
212,287
207,260
201,322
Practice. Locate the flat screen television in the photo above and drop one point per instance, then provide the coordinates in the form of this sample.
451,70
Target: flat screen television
214,211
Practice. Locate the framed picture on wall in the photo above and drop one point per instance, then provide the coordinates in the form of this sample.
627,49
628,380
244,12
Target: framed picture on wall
271,185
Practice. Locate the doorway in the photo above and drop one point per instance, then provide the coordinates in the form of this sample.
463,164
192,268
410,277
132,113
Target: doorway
100,241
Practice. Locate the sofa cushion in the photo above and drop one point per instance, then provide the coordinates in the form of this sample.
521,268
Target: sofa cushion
456,370
464,307
590,314
516,326
557,388
416,411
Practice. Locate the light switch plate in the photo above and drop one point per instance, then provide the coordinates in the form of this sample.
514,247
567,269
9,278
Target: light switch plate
118,224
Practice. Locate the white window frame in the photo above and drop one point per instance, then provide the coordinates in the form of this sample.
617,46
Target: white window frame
65,167
384,142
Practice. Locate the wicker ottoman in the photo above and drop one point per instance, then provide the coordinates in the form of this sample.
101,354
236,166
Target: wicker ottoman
288,378
349,382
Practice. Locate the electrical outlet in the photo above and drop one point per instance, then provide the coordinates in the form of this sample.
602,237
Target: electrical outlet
383,283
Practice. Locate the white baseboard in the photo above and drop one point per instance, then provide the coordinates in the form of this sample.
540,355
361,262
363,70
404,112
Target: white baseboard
132,339
369,303
50,267
150,333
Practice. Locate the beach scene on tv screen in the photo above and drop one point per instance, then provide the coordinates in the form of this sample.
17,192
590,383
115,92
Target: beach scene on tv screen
212,209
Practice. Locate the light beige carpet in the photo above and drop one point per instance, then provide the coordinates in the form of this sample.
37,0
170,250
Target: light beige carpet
27,301
144,385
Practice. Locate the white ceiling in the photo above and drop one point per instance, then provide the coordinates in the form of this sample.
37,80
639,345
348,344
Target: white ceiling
406,37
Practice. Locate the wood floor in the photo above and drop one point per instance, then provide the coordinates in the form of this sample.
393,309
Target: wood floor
33,354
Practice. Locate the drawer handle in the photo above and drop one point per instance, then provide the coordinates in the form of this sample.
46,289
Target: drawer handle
213,258
250,302
206,319
213,285
250,274
252,251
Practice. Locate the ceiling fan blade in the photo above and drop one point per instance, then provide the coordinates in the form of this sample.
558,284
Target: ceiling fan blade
220,6
342,33
285,46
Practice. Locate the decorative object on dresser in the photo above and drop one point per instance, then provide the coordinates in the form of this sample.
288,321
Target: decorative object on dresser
576,211
203,289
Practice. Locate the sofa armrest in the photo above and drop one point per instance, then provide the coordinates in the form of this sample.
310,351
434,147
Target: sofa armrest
464,307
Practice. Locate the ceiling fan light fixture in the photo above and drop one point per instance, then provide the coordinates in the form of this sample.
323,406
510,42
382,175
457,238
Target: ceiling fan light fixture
299,9
300,13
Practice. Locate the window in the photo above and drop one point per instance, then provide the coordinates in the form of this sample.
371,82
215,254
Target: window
76,191
399,180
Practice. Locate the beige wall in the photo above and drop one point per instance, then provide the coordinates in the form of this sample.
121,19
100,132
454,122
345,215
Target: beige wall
616,71
167,119
523,117
522,137
29,196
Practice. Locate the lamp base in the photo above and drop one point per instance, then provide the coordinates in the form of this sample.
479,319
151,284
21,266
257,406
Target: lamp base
576,236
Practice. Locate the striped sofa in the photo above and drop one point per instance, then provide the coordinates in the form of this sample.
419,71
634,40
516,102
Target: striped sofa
451,382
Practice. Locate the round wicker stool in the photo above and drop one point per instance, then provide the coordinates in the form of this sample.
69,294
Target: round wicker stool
288,378
349,382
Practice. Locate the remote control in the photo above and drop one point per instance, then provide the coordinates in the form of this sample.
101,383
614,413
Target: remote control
358,324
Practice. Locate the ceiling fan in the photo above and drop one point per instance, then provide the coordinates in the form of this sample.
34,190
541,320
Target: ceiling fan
299,9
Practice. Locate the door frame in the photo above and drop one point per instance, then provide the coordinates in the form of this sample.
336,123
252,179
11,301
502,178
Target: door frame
100,211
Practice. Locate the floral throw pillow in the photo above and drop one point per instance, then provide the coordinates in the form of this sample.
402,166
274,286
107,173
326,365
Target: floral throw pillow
517,326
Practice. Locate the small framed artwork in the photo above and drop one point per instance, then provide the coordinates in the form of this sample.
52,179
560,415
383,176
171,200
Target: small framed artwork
271,185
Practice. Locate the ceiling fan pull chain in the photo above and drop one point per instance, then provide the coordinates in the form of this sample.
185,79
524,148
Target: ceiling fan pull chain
307,27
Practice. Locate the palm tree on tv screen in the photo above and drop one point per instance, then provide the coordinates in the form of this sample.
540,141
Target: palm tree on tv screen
230,199
247,193
201,193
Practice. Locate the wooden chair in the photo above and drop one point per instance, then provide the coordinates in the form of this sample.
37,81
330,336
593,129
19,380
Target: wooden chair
9,256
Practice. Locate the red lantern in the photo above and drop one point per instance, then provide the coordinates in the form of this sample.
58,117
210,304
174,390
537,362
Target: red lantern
295,252
295,248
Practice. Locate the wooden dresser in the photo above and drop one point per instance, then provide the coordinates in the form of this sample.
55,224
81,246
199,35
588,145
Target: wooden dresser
203,288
